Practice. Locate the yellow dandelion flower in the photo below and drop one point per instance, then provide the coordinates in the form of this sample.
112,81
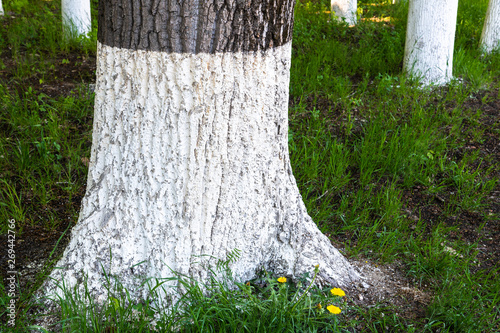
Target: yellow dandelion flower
337,292
333,309
282,279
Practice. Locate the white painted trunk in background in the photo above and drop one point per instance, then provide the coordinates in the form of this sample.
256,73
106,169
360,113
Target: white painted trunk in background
1,8
430,36
490,38
76,17
346,9
190,157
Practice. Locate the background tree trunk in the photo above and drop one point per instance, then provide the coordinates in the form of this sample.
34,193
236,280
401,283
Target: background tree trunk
1,8
346,9
76,17
430,36
490,37
190,148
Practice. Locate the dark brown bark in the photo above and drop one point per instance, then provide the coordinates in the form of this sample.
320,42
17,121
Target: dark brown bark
195,26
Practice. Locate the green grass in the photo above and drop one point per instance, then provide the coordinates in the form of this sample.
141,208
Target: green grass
42,148
218,305
364,140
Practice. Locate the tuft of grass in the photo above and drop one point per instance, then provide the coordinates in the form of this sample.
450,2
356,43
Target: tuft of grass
221,304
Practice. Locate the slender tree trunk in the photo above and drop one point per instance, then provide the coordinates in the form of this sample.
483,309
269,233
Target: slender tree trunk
1,9
430,36
490,38
345,9
76,17
190,148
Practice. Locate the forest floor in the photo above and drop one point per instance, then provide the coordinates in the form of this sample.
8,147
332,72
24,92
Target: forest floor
385,284
416,240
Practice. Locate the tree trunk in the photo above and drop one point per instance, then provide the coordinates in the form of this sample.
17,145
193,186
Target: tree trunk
430,38
76,17
190,148
1,9
490,38
345,9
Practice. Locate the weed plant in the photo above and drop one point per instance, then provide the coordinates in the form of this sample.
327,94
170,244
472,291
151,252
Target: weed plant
266,304
365,142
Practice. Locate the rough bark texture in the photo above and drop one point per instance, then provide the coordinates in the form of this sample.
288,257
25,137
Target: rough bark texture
430,37
76,17
490,37
190,157
195,26
345,9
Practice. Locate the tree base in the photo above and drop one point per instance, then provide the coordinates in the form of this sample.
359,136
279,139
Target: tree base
190,158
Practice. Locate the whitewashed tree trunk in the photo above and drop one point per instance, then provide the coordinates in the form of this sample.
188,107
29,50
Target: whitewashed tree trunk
1,9
345,9
190,157
76,17
490,37
430,36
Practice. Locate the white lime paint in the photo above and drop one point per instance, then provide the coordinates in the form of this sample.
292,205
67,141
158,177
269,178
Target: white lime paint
430,38
490,38
190,157
76,16
1,8
345,9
